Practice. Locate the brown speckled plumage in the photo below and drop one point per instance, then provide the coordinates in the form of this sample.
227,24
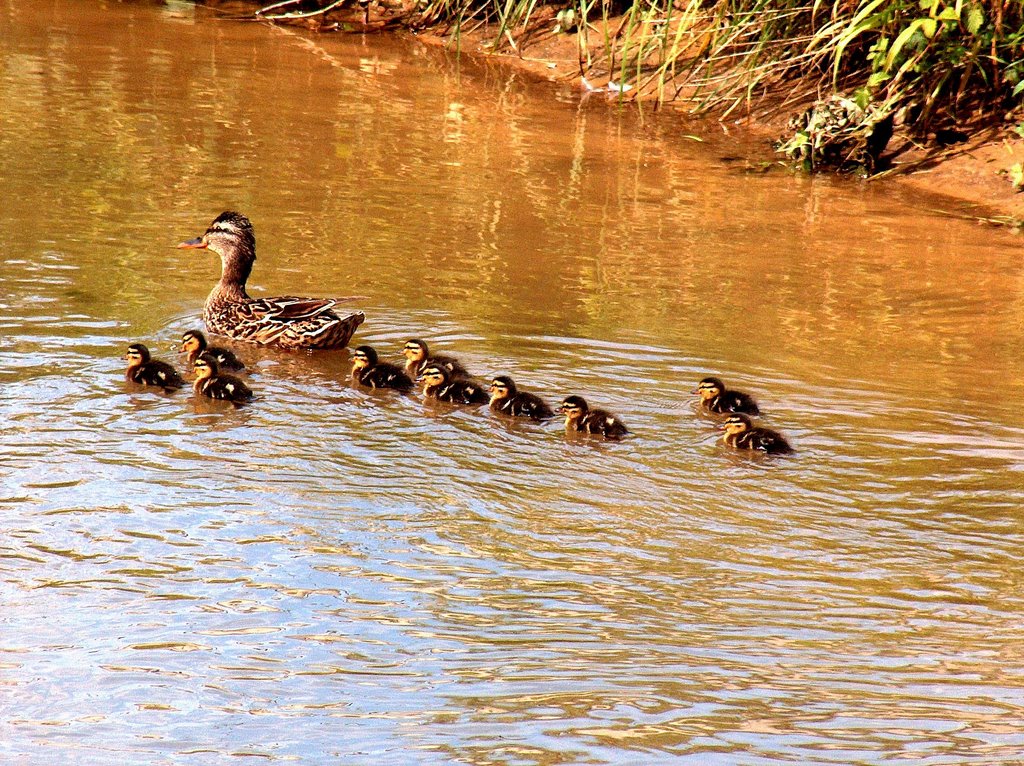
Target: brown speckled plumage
286,322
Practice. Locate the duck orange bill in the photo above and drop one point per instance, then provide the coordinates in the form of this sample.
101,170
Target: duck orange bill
197,242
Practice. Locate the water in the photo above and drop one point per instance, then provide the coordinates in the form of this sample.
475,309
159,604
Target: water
336,576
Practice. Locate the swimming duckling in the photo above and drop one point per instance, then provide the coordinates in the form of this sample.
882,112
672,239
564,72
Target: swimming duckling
714,397
742,434
438,384
506,398
212,383
142,368
579,417
370,372
418,356
194,343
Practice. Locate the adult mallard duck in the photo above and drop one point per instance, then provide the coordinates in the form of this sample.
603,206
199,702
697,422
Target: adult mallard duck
715,397
508,399
211,382
142,368
741,433
286,322
368,371
438,384
580,417
194,343
417,357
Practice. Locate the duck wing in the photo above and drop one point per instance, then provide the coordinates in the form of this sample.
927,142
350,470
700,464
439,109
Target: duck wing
287,321
288,308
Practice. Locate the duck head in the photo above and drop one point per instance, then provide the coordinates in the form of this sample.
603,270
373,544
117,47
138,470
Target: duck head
137,355
736,424
574,408
205,366
709,388
415,350
433,377
502,387
363,357
231,237
193,342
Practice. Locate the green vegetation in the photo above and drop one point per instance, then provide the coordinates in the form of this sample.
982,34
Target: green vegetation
926,66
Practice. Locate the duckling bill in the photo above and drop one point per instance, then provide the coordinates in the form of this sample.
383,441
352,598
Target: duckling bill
741,433
581,418
715,397
142,368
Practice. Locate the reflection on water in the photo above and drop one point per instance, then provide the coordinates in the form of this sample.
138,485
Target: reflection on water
336,575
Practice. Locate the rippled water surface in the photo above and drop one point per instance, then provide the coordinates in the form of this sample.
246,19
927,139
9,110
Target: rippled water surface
336,576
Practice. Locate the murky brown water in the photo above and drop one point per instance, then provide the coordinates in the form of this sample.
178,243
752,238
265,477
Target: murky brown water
329,576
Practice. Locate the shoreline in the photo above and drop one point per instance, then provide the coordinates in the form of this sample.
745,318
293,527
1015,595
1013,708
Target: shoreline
983,176
976,176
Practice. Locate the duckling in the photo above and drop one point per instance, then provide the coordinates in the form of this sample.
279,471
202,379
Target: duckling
212,383
285,322
714,397
579,417
417,355
438,384
506,398
742,434
194,343
370,372
142,368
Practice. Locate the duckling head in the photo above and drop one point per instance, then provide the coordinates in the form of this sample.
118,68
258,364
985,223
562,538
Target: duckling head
709,388
364,357
415,350
137,355
736,424
574,408
205,366
230,236
433,375
502,387
193,342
